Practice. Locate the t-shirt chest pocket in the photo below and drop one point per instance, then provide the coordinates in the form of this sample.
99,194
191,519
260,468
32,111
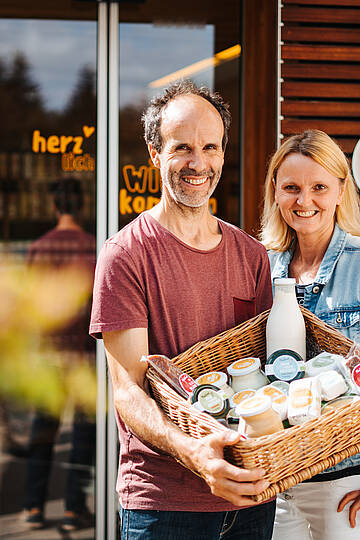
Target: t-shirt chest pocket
244,309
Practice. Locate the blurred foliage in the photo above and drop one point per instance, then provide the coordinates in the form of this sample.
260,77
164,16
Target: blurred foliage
35,302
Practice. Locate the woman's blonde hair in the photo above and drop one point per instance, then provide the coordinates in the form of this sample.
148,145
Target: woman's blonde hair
275,233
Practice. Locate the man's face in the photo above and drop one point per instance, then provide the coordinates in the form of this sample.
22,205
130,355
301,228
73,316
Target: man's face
191,158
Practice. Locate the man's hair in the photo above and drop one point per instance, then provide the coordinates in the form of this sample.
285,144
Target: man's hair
153,114
68,195
317,145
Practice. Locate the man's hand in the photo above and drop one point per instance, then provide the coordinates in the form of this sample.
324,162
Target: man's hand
353,496
225,480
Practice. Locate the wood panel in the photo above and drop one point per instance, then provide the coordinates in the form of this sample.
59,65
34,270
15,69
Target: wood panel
332,127
320,108
321,52
320,70
312,70
259,104
319,34
320,89
347,145
320,15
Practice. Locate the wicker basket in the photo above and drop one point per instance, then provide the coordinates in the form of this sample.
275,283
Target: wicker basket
289,456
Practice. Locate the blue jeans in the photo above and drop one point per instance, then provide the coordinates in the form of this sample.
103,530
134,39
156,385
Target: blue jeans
254,523
44,429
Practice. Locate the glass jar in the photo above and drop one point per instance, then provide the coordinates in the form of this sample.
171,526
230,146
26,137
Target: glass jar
246,373
218,379
260,418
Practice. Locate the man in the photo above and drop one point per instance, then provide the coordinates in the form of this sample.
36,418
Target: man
172,277
66,245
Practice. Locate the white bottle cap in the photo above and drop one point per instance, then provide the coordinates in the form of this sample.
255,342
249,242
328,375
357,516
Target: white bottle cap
285,281
253,405
243,366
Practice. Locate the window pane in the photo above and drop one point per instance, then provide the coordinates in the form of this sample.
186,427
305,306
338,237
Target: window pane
47,187
156,48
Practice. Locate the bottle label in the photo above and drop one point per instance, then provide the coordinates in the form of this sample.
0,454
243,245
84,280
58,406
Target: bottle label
285,365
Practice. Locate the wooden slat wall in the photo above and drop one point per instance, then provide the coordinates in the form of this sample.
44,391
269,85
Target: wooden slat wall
320,68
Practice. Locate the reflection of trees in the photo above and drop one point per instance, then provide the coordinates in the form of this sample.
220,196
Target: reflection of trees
21,104
23,110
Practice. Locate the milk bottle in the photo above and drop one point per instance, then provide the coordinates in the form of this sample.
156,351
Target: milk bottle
285,328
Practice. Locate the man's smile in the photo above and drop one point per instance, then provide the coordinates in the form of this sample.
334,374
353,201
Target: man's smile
195,180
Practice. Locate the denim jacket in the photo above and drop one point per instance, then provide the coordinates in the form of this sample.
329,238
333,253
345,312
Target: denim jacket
334,296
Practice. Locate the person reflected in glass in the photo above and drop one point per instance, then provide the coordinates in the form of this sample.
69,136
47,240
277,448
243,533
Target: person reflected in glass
66,245
311,227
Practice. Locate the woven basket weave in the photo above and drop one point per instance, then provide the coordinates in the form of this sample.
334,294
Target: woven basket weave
289,456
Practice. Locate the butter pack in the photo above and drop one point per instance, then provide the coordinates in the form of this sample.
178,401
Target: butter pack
304,400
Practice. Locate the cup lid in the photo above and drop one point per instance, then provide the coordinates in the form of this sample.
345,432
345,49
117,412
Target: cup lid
217,378
253,405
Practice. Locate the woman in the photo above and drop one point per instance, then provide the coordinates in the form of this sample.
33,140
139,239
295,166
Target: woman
311,227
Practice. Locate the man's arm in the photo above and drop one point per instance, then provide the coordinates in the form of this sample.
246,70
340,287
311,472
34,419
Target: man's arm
143,416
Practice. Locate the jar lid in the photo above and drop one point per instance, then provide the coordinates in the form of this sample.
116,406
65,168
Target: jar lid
217,378
207,398
240,396
244,366
254,405
285,365
281,385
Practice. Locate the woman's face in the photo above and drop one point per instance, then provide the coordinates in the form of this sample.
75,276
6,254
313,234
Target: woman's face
307,195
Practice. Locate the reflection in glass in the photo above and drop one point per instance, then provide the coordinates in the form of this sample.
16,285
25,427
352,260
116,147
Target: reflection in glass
47,134
152,55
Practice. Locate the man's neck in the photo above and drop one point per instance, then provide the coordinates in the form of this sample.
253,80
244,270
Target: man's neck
195,227
66,222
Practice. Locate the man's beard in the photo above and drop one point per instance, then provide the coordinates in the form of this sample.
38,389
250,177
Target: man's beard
179,194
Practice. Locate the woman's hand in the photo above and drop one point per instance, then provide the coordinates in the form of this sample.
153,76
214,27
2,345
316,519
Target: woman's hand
353,496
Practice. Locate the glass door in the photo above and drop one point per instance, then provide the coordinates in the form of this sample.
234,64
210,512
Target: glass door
48,135
159,44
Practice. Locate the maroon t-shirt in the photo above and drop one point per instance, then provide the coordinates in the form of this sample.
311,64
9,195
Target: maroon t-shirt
147,278
60,248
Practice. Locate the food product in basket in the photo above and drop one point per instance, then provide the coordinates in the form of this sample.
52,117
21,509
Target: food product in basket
182,383
208,398
338,402
259,416
285,327
304,400
246,373
332,384
240,396
352,359
279,400
232,419
218,379
281,385
324,361
285,365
